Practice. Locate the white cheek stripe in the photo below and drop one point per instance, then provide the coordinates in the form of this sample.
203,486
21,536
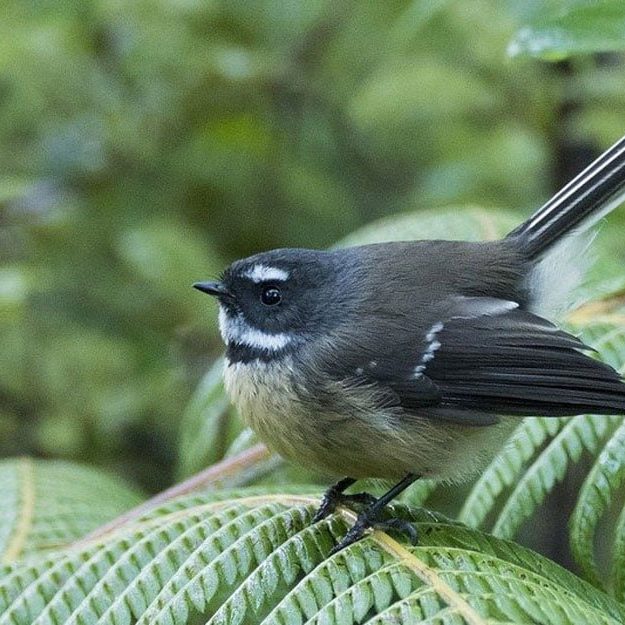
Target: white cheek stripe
265,273
237,330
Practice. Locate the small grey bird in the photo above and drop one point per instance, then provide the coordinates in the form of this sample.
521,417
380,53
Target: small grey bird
415,359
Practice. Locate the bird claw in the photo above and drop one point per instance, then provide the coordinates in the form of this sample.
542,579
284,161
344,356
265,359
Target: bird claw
369,518
401,526
332,498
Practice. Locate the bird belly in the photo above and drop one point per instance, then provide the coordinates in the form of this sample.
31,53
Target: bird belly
348,436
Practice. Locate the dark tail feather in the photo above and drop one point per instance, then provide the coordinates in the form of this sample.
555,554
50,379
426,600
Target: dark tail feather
593,193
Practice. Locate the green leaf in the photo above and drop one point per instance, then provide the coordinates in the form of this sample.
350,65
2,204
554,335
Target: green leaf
557,29
598,491
549,468
250,558
46,504
204,424
505,470
12,188
469,223
167,257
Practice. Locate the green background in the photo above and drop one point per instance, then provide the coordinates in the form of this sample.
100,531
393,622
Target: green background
144,145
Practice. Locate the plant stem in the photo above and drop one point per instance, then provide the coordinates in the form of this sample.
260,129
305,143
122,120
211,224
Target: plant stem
207,477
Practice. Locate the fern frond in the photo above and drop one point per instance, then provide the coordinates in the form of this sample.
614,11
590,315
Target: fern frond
549,468
617,568
419,492
123,582
505,470
46,504
607,338
26,588
600,486
256,559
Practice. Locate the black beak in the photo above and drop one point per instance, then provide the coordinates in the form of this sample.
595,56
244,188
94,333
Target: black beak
216,289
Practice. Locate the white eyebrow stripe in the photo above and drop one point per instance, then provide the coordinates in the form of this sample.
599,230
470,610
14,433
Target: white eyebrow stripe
236,330
265,273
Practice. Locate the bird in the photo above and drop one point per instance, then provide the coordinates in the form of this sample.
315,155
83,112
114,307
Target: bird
415,359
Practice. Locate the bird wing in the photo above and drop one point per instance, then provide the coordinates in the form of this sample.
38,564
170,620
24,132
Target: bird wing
487,357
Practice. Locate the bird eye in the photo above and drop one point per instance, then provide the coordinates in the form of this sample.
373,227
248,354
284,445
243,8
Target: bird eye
271,295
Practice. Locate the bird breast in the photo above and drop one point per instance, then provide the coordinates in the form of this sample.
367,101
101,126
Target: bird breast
346,435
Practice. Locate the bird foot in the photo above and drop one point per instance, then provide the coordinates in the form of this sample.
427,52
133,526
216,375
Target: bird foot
370,518
333,498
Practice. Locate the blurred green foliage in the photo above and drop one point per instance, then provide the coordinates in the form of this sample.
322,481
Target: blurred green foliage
144,145
554,29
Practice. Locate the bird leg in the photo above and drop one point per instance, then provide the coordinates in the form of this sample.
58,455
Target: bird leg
371,517
335,496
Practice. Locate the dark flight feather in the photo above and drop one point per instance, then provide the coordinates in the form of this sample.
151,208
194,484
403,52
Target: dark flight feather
488,359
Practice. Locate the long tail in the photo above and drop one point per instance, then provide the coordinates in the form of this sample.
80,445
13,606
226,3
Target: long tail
591,195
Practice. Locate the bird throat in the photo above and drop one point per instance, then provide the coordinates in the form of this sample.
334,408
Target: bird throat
246,343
